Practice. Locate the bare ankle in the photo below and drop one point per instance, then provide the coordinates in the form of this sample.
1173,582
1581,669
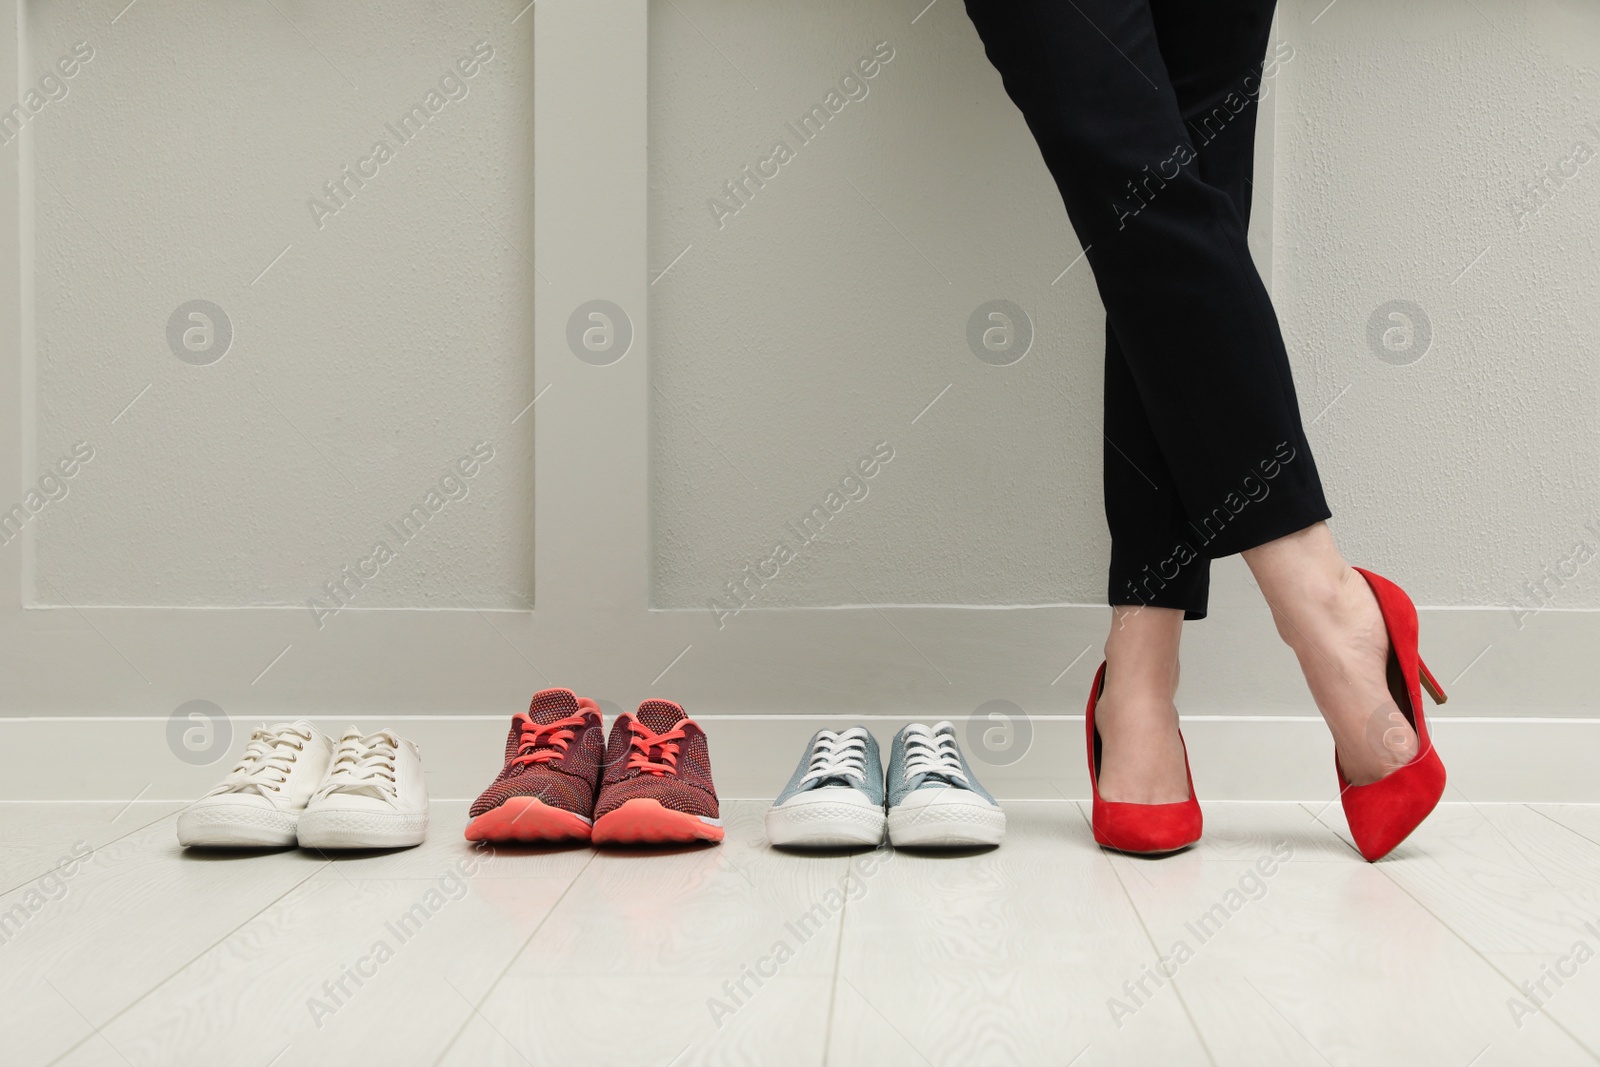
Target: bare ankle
1318,604
1142,654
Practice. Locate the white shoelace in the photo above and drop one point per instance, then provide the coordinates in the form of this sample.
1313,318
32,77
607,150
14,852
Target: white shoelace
841,755
933,751
363,765
267,760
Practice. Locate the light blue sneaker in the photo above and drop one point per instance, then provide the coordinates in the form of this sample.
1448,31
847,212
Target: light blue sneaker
934,798
835,798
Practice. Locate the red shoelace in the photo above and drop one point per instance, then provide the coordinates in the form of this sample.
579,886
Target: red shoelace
649,746
543,742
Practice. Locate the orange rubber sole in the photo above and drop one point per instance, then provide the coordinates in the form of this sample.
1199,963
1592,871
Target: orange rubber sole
643,821
528,819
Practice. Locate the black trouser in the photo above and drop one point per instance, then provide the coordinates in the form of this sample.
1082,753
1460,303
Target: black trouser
1145,113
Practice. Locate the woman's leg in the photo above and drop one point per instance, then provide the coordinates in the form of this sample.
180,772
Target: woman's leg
1141,752
1213,54
1195,325
1188,77
1323,610
1214,58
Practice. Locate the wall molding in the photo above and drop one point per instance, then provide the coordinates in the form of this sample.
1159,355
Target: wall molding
1235,757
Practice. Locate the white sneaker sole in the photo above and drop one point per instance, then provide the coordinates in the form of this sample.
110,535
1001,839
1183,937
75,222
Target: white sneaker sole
947,826
362,829
825,825
235,827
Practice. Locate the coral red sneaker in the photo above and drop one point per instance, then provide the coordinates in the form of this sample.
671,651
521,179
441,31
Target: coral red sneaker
546,790
657,786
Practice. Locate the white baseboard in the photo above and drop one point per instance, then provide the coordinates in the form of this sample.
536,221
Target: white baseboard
1284,757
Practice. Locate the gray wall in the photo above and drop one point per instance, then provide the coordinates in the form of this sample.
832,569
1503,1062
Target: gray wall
833,305
390,337
792,336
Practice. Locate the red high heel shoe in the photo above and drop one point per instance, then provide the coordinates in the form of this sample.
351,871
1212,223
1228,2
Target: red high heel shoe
1382,813
1143,828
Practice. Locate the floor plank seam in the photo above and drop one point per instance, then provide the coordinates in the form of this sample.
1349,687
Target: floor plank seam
1564,826
838,972
1150,939
96,848
512,962
136,1001
1509,981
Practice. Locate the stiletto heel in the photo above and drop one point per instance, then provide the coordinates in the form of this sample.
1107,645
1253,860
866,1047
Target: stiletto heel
1431,684
1382,814
1146,829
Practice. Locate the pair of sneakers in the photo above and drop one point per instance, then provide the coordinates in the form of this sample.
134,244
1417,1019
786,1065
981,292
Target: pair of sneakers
295,785
563,780
838,796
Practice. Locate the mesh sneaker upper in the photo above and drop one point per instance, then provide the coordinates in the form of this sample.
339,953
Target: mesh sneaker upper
568,779
687,787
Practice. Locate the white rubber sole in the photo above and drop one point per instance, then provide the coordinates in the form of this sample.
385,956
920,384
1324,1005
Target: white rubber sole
362,829
947,825
825,825
235,826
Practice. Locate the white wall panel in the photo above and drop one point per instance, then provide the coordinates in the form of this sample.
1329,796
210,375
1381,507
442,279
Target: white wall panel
371,261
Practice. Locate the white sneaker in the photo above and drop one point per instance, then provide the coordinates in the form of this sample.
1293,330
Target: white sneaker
374,796
259,803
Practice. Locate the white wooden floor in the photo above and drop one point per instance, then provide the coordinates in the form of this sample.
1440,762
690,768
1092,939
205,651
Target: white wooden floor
1020,955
